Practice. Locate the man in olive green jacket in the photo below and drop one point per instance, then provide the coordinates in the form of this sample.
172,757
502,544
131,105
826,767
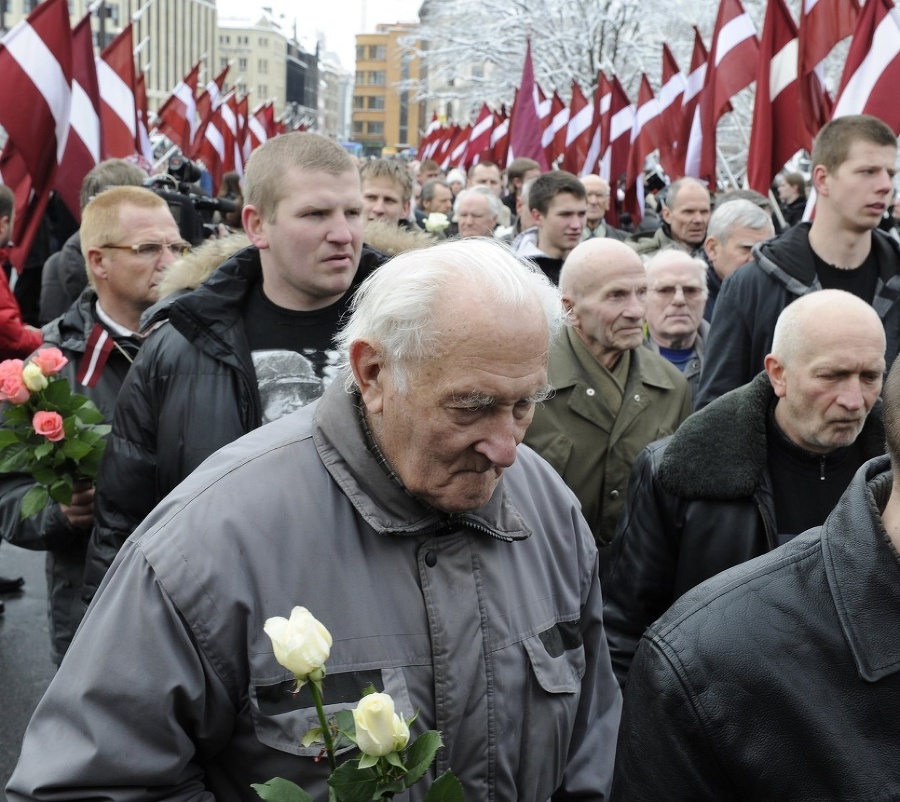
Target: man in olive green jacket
612,396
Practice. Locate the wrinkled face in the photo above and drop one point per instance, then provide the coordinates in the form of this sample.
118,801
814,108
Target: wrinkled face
383,199
129,279
441,201
830,385
675,301
455,430
311,250
689,215
609,315
728,256
859,190
560,228
486,176
474,217
597,197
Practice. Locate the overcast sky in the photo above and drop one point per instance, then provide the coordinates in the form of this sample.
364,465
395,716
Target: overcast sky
338,20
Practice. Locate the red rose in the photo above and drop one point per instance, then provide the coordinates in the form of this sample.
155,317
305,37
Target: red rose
49,424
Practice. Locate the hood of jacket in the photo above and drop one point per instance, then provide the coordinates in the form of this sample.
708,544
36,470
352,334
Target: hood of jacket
720,452
72,329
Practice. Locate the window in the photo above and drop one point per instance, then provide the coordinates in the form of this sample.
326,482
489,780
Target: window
242,64
358,127
263,41
223,63
243,40
376,103
360,52
377,52
376,78
360,78
376,127
262,66
225,40
263,90
359,101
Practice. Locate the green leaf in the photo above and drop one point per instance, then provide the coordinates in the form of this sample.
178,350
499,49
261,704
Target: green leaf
7,438
15,460
43,450
370,688
353,784
280,790
446,788
76,449
389,790
314,736
44,476
365,761
57,392
420,755
34,501
61,490
89,414
394,759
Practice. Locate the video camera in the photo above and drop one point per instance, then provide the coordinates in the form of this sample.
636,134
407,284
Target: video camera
192,212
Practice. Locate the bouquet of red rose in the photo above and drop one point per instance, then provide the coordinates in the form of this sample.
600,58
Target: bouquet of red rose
48,431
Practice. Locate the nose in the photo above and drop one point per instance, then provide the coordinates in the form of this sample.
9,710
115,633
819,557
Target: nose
498,444
341,232
636,307
678,297
851,395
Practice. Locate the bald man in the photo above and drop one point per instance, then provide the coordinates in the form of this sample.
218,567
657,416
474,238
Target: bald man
612,397
753,469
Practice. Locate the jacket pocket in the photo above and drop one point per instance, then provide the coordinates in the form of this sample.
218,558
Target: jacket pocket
558,452
281,717
557,658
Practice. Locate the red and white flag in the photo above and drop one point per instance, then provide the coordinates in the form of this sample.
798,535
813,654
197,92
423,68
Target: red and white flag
670,98
618,125
442,152
177,117
872,71
644,135
525,129
118,109
428,142
500,138
602,100
554,136
778,131
456,153
35,104
217,149
261,125
99,346
480,137
145,148
84,146
207,104
732,67
690,140
579,132
823,23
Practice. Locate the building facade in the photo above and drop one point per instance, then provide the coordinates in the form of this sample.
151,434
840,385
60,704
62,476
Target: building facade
386,118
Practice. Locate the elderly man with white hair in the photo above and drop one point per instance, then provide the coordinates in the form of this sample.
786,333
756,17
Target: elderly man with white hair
676,297
452,569
476,212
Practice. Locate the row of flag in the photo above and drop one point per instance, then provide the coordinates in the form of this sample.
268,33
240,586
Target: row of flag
603,132
64,110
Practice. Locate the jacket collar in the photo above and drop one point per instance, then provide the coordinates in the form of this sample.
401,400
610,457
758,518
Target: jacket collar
720,452
863,572
380,498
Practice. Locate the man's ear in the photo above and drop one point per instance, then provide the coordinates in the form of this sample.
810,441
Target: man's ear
367,364
94,264
666,214
253,227
819,174
775,371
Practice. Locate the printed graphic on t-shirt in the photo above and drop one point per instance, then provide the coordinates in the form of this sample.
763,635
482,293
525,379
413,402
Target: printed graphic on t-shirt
287,381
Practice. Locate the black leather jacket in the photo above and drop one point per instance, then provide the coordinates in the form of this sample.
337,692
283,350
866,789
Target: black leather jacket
779,679
698,503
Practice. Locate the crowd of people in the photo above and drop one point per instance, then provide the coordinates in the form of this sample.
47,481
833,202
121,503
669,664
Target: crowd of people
609,507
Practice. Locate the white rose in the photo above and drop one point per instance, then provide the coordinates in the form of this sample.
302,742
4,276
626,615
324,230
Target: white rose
34,378
436,222
379,730
301,643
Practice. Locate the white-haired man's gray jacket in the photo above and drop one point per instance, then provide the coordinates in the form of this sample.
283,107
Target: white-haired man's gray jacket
488,623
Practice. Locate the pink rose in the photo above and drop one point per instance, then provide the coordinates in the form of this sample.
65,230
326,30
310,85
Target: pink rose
12,385
49,360
49,424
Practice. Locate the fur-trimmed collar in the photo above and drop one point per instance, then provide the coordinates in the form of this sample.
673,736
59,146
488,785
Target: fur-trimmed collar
720,452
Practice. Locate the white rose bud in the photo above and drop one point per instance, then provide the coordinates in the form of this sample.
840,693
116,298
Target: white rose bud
379,730
436,222
301,644
34,379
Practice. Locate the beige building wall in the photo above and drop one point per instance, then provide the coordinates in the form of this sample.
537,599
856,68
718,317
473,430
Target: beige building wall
258,56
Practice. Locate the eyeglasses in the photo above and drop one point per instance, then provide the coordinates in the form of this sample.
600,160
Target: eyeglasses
153,250
689,293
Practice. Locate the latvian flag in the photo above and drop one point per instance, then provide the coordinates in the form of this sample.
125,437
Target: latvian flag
99,345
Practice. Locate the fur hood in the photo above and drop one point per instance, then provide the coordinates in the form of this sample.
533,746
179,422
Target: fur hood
392,239
720,452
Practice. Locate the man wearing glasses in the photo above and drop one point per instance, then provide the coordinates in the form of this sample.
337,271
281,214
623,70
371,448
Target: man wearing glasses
249,345
598,199
676,298
128,239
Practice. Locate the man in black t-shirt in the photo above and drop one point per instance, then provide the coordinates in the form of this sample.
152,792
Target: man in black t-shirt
853,168
250,344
